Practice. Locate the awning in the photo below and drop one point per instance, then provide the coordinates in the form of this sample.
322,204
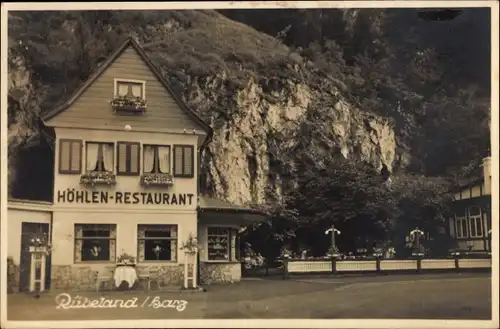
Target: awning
227,212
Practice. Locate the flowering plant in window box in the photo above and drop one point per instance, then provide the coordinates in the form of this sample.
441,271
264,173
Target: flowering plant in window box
191,245
125,259
152,179
98,178
128,104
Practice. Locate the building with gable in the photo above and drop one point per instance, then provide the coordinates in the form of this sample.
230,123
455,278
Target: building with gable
471,224
126,170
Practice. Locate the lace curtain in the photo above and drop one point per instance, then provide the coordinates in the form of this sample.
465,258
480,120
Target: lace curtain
92,155
108,156
164,156
149,153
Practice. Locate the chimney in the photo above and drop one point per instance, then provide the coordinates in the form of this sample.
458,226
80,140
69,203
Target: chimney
487,175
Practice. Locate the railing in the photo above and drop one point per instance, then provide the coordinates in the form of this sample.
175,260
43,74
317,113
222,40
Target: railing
381,265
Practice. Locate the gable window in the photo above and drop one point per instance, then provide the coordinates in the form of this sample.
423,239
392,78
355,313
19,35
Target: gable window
461,224
100,156
183,161
95,242
128,158
157,242
475,222
222,244
70,156
130,89
156,159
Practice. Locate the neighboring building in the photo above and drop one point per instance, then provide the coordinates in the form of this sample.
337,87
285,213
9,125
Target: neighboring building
471,225
126,182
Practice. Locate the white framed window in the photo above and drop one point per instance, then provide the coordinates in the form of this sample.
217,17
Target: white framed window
100,156
157,243
156,159
475,222
222,244
95,242
461,226
130,88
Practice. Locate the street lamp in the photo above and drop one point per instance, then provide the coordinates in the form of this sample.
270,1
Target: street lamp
333,231
416,234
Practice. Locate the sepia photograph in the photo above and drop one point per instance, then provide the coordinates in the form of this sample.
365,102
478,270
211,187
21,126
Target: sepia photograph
268,164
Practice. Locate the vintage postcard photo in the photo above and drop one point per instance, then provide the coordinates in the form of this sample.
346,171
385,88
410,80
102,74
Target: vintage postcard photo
238,164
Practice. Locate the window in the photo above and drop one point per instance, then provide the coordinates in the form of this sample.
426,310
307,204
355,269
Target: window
100,156
130,89
156,159
475,222
70,155
222,244
157,242
95,242
183,160
461,224
128,158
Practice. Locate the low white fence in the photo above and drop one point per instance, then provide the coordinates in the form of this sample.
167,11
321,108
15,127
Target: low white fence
383,265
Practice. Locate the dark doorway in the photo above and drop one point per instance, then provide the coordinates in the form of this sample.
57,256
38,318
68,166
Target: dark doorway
27,231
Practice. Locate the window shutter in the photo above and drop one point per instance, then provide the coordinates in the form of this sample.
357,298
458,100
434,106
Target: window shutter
178,160
134,158
188,161
122,158
76,161
64,156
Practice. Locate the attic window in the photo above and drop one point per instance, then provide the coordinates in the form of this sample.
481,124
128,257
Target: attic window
129,96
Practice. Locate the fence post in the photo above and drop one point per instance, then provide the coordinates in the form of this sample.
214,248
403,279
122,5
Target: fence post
419,264
285,268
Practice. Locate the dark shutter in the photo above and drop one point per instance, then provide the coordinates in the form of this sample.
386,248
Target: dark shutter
122,158
76,156
134,158
178,157
64,156
70,156
188,161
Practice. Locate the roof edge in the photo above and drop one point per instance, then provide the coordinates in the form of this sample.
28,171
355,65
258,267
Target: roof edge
130,42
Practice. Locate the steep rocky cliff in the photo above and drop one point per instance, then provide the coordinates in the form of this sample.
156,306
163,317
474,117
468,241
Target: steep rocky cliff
268,105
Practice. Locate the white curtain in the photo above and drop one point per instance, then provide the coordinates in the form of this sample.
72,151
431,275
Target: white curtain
108,156
149,153
137,90
164,155
92,154
122,89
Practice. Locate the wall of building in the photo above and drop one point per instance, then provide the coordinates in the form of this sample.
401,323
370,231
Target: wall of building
16,217
63,182
19,212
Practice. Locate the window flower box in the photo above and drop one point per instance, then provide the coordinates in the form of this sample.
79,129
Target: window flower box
157,180
128,104
91,178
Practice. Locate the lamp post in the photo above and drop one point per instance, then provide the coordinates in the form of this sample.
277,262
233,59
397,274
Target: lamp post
334,231
416,234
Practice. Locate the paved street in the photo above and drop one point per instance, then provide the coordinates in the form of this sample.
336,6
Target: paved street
436,296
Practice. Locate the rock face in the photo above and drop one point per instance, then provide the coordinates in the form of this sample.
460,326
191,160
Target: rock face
237,164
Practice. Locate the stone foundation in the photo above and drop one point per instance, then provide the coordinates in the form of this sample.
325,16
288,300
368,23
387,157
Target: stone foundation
12,276
220,272
84,278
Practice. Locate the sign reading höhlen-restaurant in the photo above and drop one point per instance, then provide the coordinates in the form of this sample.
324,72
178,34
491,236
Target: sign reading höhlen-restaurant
73,196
